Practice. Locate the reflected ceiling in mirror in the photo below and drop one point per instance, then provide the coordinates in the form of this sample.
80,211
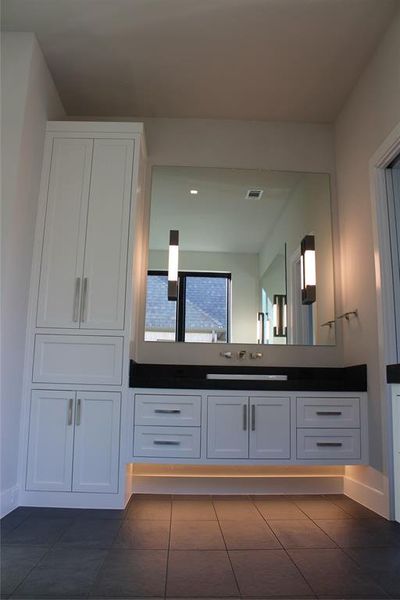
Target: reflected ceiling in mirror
242,234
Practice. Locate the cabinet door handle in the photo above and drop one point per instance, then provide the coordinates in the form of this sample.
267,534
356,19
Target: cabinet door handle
84,299
78,412
329,444
253,417
244,417
331,413
165,443
75,315
167,411
70,406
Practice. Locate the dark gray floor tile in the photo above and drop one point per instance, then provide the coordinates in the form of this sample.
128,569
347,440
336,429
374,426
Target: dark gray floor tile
189,510
206,574
63,573
331,573
132,573
16,562
56,513
322,509
149,509
241,535
100,513
300,534
356,510
11,521
238,510
142,535
361,532
382,564
37,531
192,497
196,535
268,574
279,509
90,533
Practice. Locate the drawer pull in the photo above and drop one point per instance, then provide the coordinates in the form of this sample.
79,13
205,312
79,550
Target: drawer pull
329,444
167,411
165,443
245,417
330,413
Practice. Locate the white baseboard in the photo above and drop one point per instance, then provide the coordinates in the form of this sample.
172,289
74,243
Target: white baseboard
158,484
8,501
366,495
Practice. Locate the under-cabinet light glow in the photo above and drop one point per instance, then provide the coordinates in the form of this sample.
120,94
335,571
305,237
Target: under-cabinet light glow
173,262
308,270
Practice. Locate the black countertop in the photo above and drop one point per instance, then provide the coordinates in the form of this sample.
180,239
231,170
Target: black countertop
329,379
393,373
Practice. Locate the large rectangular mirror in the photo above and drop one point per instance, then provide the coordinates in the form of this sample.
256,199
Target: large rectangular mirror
240,256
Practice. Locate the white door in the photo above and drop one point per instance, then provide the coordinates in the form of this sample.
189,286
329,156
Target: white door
96,449
64,235
227,427
51,435
269,427
103,295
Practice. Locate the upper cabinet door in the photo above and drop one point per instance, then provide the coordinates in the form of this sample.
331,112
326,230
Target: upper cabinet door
270,428
104,278
227,428
64,233
51,435
96,449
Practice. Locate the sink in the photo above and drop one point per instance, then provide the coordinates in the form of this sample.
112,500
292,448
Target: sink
246,377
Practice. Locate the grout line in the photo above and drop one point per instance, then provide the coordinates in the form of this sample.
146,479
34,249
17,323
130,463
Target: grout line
168,547
227,551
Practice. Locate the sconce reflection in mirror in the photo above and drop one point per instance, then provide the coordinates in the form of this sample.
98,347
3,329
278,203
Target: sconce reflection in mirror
173,259
279,315
263,331
308,270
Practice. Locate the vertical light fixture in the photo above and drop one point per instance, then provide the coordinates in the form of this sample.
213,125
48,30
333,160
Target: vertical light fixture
173,260
308,270
260,328
279,315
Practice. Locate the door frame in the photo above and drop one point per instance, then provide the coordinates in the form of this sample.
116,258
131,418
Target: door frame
387,349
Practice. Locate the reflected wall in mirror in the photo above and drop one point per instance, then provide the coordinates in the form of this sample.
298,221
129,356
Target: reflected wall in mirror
241,267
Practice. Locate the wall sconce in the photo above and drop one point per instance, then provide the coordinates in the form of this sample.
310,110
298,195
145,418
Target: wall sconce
260,328
173,259
279,315
308,270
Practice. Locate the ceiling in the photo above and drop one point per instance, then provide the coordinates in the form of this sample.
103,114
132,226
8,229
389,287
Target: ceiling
288,60
236,224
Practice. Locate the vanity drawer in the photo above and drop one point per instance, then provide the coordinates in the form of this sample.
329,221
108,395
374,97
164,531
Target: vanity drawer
328,412
164,409
79,359
340,444
167,442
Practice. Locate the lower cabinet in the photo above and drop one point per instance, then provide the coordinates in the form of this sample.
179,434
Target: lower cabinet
243,427
74,441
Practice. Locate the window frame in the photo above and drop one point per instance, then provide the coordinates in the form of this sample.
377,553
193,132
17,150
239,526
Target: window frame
180,323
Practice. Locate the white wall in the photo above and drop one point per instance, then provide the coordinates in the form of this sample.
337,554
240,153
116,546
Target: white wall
249,145
245,284
28,99
369,115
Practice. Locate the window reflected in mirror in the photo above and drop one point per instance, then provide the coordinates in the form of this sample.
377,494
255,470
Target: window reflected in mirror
255,260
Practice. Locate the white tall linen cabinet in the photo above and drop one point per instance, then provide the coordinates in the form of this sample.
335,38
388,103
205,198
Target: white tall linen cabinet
80,321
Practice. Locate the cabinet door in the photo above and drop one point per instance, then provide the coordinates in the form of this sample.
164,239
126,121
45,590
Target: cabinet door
64,233
227,429
103,295
51,435
270,427
96,449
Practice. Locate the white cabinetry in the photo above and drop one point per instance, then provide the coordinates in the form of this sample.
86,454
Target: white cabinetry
85,245
227,427
269,427
74,441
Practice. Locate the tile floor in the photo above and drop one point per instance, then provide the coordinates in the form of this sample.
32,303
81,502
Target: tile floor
202,546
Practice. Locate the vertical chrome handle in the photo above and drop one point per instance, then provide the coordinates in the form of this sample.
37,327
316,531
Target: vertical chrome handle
78,412
84,299
75,314
244,417
70,405
253,417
